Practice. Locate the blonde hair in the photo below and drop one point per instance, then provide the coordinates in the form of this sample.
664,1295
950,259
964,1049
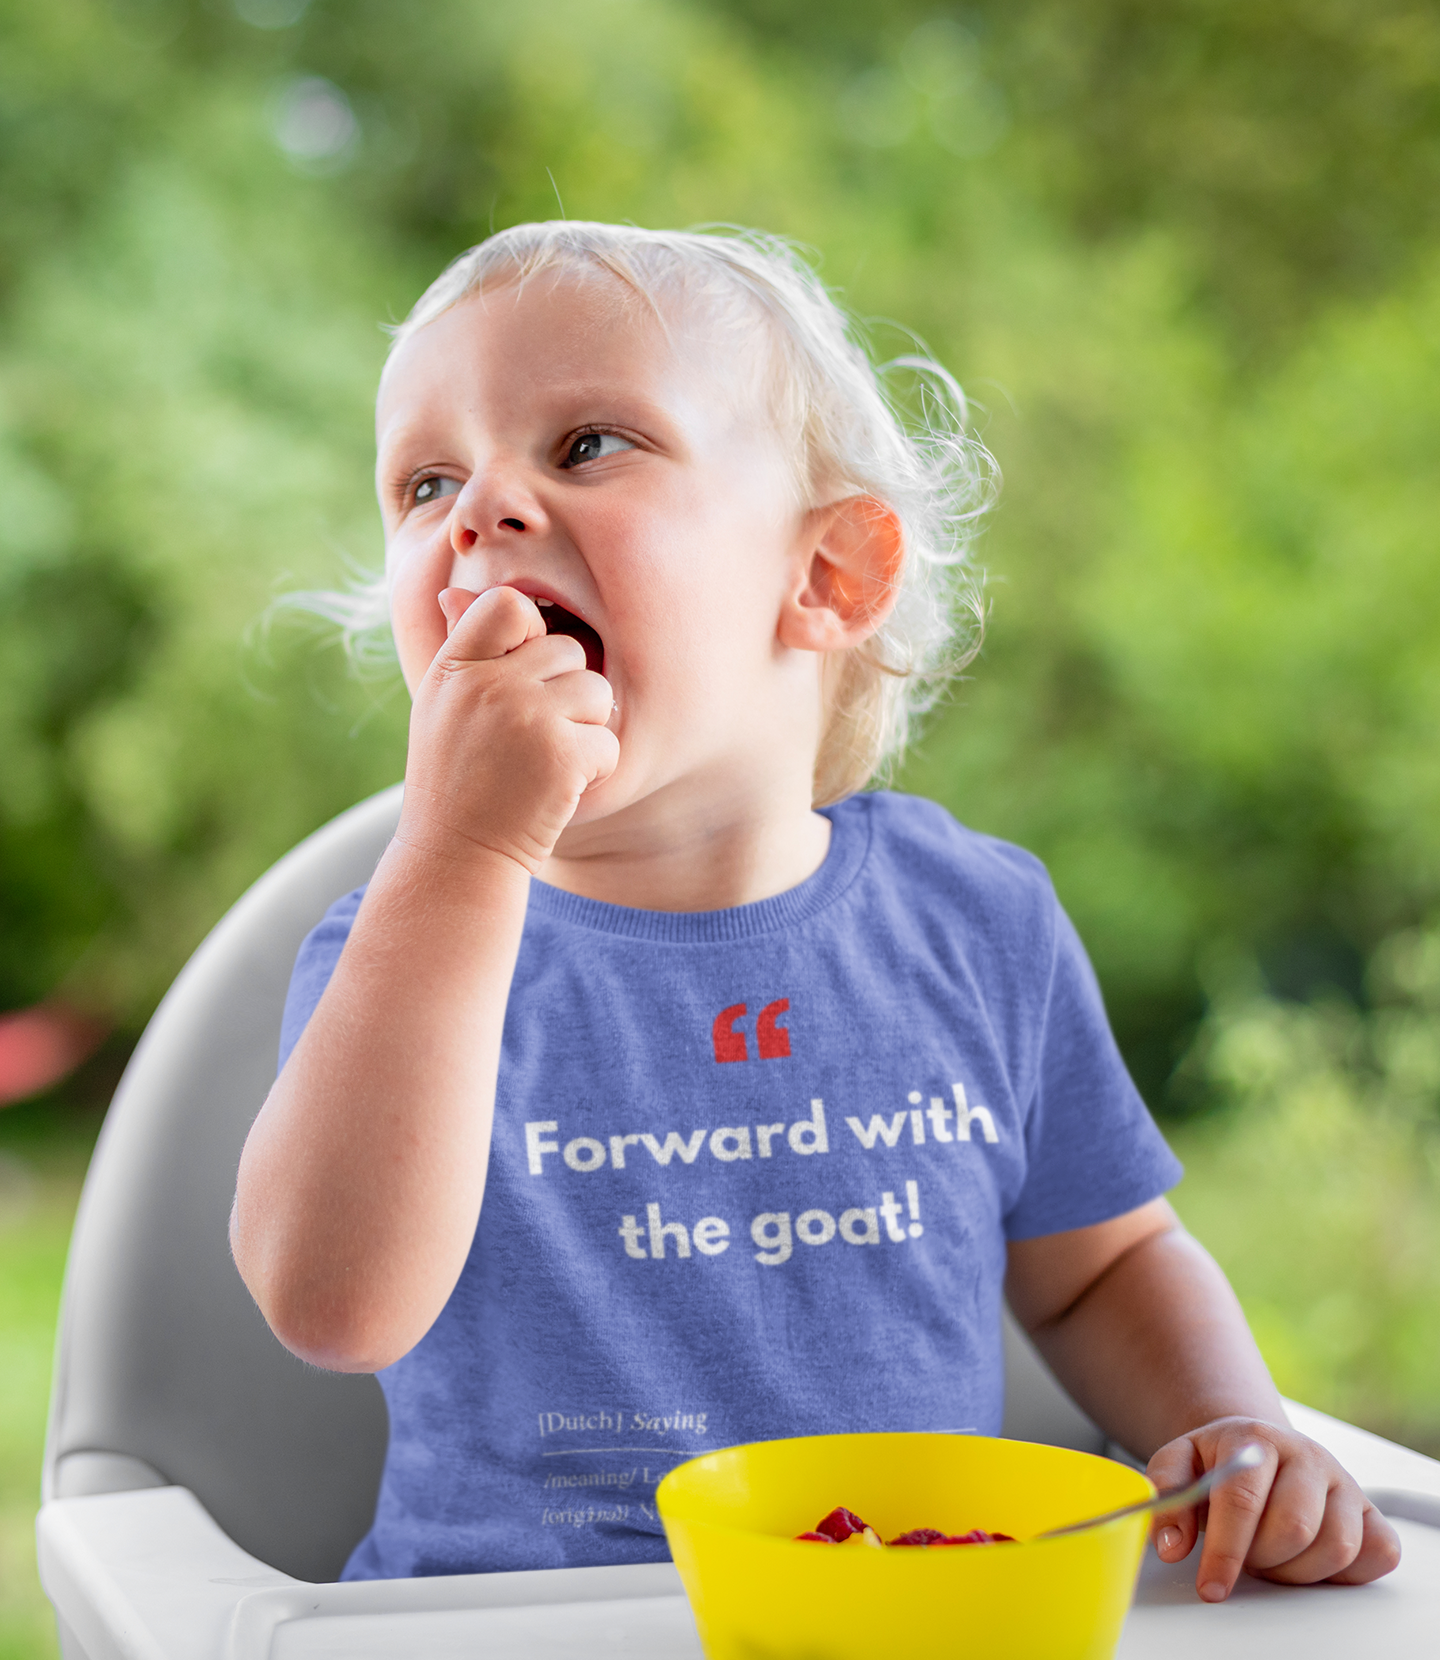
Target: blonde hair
898,431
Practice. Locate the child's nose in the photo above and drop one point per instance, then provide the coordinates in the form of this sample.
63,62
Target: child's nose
464,537
492,510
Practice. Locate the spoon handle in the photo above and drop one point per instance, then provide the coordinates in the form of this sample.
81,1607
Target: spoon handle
1177,1498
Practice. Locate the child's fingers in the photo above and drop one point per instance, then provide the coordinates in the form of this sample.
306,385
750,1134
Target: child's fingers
1236,1507
454,603
1323,1544
1297,1518
582,696
1379,1551
1174,1532
1302,1513
489,625
598,751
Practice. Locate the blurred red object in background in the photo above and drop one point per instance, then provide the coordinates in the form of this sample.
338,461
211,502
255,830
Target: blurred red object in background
40,1046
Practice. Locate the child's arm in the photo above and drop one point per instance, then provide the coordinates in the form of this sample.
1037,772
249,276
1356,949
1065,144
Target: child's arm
1144,1331
360,1184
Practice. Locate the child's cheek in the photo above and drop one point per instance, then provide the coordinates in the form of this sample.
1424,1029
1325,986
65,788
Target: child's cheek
417,577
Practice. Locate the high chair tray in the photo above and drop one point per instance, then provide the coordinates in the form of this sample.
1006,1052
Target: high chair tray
149,1576
636,1613
1397,1616
1400,1616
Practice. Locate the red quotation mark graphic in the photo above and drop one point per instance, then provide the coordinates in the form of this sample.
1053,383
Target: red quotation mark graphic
772,1041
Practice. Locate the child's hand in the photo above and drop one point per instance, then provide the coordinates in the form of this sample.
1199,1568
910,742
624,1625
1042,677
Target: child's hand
1296,1518
507,732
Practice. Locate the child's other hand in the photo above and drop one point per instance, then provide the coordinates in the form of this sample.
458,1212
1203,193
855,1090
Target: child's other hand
1296,1518
506,734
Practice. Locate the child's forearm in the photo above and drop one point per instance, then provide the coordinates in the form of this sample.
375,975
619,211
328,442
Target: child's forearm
360,1185
1144,1331
1156,1345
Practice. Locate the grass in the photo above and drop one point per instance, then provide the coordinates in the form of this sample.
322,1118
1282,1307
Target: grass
43,1154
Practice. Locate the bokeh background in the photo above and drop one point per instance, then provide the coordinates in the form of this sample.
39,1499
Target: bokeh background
1186,257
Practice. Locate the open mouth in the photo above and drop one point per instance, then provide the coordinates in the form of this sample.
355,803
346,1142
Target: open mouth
560,621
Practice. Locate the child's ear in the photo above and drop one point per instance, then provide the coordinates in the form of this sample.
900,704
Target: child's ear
846,578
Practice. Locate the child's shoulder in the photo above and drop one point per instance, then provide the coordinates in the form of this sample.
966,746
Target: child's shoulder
921,833
926,854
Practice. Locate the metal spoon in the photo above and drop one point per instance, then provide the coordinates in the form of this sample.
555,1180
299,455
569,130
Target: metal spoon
1178,1498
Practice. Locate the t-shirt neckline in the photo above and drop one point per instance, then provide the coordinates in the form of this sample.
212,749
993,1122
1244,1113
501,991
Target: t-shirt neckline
849,842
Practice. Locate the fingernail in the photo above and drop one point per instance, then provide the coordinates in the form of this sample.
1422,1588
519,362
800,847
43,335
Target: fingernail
1168,1538
1213,1591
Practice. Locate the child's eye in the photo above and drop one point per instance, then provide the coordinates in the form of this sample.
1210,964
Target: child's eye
433,487
593,446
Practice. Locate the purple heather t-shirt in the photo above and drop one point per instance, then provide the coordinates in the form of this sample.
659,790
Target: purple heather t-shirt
753,1174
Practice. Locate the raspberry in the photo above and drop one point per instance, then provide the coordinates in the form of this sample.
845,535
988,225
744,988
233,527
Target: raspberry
839,1525
843,1527
932,1536
920,1536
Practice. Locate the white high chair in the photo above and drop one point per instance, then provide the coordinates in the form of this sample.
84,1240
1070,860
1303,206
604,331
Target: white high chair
202,1488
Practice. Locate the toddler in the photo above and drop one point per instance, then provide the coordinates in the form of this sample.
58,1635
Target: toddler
662,1091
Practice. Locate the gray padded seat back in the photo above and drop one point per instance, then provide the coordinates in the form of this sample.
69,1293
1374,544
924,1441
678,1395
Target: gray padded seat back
165,1371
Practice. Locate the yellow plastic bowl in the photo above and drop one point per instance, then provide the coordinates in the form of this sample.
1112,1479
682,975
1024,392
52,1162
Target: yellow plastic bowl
758,1594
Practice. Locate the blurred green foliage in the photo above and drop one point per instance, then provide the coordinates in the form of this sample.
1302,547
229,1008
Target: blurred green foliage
1319,1188
1186,257
1187,260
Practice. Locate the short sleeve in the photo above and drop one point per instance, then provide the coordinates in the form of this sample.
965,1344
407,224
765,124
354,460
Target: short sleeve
314,964
1092,1149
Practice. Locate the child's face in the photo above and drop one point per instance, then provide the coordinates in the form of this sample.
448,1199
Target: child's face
556,439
